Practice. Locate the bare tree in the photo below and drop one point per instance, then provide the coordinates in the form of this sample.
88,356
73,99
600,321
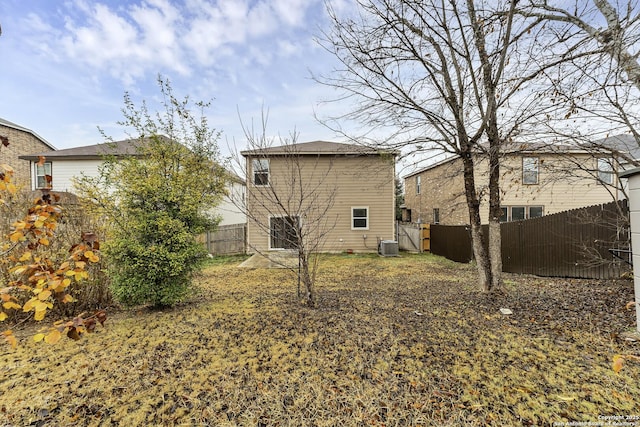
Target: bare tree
617,39
289,203
457,78
598,88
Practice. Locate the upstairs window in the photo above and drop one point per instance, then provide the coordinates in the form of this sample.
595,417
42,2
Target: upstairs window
260,172
418,184
530,170
43,175
605,170
360,218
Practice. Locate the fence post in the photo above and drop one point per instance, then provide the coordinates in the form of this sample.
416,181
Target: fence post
633,176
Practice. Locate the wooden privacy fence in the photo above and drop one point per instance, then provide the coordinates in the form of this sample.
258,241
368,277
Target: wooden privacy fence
226,240
414,237
575,243
452,242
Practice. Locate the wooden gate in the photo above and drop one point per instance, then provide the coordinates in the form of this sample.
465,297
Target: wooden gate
425,235
414,237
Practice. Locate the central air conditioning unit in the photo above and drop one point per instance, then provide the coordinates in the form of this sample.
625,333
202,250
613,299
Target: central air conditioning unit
388,248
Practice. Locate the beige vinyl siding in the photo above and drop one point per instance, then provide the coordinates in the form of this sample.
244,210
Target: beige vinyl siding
561,186
346,181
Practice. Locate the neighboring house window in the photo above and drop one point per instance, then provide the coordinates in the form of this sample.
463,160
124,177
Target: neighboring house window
283,232
436,215
260,171
360,218
605,170
43,175
505,214
516,213
529,170
535,211
418,184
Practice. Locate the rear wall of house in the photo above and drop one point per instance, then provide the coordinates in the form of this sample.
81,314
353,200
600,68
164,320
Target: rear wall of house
561,186
331,187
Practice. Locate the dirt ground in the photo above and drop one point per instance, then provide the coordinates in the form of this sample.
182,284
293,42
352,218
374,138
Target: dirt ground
405,341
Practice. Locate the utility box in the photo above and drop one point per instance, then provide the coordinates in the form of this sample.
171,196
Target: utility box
388,248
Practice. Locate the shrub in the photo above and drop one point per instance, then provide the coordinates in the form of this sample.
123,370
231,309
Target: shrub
153,261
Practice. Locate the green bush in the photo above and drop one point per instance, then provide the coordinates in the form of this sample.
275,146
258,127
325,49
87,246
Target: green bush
153,262
157,201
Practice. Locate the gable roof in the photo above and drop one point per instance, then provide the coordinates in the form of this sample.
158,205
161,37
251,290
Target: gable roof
315,148
12,125
624,143
127,147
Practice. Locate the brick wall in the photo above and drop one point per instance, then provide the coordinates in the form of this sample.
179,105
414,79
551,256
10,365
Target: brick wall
441,188
20,143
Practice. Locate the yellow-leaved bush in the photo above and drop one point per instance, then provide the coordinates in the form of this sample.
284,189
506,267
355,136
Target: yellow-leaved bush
35,283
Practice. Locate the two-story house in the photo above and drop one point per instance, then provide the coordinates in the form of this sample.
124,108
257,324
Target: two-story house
535,180
341,195
60,169
21,141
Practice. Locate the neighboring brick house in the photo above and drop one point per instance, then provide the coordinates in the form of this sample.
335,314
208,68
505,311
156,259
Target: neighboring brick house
21,141
535,181
350,187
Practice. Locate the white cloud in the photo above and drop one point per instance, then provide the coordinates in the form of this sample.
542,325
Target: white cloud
107,40
287,48
156,35
292,12
243,54
158,21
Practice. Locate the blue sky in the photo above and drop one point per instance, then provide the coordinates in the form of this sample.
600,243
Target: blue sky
65,65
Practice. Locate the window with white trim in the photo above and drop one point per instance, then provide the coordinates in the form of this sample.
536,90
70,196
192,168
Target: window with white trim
360,218
530,170
260,168
418,184
605,170
43,175
517,213
534,211
505,214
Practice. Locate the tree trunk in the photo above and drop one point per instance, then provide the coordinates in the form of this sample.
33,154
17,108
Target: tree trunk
308,296
490,83
481,256
477,236
495,212
495,255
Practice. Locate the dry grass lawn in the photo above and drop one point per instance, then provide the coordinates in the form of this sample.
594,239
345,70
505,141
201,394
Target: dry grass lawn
405,341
